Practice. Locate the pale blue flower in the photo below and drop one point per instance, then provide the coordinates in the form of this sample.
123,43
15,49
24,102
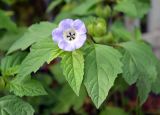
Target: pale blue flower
70,34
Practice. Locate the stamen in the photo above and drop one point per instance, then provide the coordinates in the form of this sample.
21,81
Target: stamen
70,35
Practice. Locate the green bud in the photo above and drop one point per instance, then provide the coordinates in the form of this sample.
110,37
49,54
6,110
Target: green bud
96,27
106,11
100,27
103,11
99,11
104,39
90,28
2,83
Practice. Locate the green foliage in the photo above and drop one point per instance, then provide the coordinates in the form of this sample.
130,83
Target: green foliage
133,8
2,83
41,52
136,70
84,7
6,23
102,64
58,72
9,2
73,69
9,38
53,4
120,31
35,33
10,64
12,105
99,68
138,34
156,83
26,87
113,111
67,98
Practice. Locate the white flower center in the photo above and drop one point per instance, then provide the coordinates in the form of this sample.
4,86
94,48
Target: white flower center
69,35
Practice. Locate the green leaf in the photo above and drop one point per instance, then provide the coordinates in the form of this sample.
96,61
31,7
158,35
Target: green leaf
41,52
26,87
139,66
138,34
113,111
6,23
11,105
120,31
67,99
102,65
58,73
10,64
53,4
84,7
73,69
156,84
133,8
9,38
34,34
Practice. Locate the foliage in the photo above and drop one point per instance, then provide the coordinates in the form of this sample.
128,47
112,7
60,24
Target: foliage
111,60
12,105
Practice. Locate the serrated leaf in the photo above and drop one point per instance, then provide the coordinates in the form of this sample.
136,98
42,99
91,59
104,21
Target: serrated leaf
34,34
102,64
41,52
6,23
133,8
139,66
73,69
10,64
144,87
26,87
11,105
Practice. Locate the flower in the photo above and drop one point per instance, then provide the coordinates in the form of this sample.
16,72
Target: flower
70,34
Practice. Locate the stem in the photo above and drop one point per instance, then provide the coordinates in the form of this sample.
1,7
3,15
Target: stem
91,39
138,108
122,98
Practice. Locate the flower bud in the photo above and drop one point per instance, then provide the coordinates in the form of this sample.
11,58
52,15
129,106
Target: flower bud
99,11
104,39
100,27
104,12
107,11
90,29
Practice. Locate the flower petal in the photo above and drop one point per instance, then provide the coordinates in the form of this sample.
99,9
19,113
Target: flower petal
65,24
66,46
57,35
80,41
79,26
